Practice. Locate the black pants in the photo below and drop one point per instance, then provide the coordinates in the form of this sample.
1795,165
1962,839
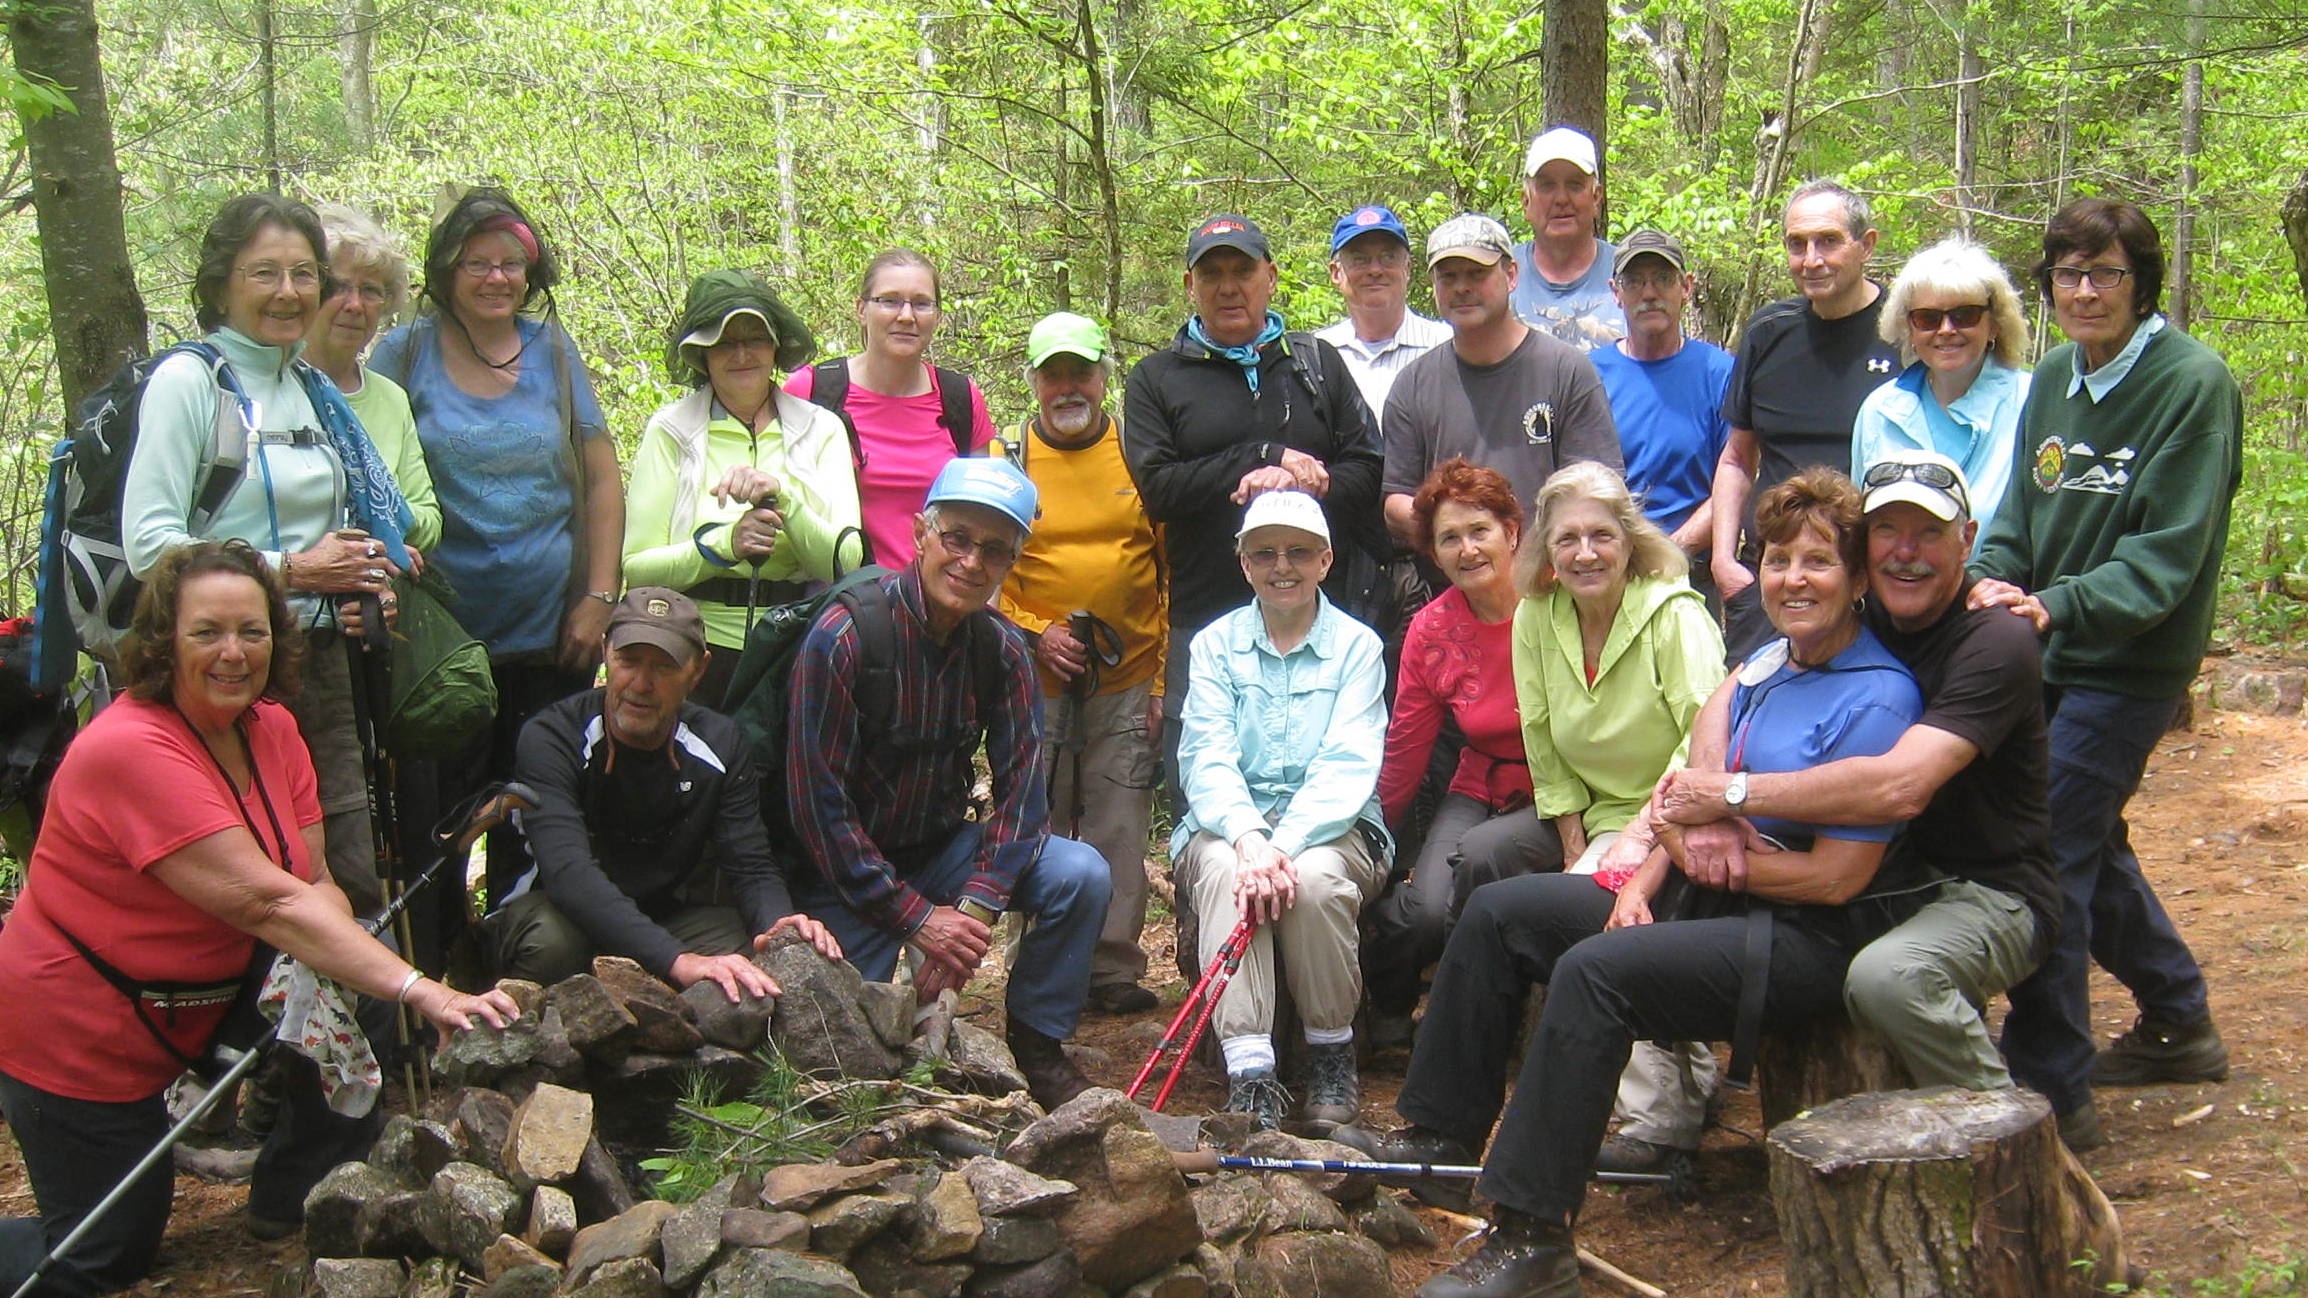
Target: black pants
75,1151
525,686
1676,981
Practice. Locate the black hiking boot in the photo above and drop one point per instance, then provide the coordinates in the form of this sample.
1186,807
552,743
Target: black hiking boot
1626,1155
2080,1131
1521,1257
1051,1077
1418,1145
1333,1092
2156,1050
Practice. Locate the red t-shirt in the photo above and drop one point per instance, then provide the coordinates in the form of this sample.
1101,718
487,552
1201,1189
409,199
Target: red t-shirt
904,447
135,786
1453,662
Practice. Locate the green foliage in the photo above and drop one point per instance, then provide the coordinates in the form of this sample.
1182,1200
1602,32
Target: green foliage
2259,1278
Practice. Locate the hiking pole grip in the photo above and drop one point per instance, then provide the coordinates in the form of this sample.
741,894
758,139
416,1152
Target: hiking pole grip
492,811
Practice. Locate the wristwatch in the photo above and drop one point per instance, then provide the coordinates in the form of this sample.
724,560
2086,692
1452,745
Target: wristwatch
978,911
1735,793
608,597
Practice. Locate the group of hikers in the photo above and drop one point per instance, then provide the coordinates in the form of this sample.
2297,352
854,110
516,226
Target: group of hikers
1539,642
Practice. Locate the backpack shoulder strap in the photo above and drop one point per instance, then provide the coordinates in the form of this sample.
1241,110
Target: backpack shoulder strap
876,688
229,435
954,406
986,663
829,387
1305,351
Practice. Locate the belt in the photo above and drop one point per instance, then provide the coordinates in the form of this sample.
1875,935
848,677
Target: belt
740,592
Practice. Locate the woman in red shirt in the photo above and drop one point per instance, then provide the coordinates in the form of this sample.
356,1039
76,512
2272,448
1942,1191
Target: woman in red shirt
183,828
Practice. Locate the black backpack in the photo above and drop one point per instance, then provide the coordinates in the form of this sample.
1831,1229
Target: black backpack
759,697
84,581
829,387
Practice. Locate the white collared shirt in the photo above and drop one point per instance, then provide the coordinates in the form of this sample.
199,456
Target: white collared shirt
2102,381
1375,364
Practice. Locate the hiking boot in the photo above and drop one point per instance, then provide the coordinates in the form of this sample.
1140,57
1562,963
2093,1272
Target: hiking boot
269,1229
1521,1257
1121,998
1051,1077
1418,1145
1626,1155
2156,1050
2080,1130
1256,1092
1333,1093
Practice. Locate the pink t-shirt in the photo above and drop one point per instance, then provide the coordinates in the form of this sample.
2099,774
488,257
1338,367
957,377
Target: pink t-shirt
901,447
1453,662
135,787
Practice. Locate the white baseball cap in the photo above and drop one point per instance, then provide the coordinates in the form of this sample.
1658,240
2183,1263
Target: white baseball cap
1293,509
1567,143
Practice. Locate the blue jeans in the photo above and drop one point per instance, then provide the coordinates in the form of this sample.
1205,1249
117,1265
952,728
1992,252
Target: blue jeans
1064,893
2100,744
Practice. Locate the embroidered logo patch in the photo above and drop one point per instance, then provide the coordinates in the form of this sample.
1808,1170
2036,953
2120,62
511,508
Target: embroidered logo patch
2051,462
1539,423
660,608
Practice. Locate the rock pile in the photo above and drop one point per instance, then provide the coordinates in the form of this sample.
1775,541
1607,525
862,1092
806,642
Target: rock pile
507,1188
1086,1200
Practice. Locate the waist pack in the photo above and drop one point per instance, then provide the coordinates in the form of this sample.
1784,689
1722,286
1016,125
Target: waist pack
443,691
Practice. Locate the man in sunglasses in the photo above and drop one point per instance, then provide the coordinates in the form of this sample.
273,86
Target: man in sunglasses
1969,777
881,806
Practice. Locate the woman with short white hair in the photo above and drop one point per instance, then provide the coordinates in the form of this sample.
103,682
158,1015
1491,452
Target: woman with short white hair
1281,735
1956,320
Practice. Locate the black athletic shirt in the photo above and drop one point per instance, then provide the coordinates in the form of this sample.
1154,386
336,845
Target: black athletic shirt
1982,682
1798,382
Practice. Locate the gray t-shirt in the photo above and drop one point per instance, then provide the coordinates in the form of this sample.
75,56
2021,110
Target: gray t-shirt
1583,312
1530,414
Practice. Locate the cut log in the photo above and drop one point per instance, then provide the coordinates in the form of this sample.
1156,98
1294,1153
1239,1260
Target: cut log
1825,1059
1919,1194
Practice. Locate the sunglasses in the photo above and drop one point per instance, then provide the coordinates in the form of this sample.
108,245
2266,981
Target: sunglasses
1927,319
1939,477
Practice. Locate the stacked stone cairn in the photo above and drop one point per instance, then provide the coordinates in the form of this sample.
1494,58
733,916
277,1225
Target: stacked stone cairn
508,1187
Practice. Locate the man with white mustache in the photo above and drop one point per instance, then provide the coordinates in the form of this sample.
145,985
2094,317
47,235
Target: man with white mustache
1970,778
1094,552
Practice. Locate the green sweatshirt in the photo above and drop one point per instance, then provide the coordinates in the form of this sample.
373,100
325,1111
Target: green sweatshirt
2118,515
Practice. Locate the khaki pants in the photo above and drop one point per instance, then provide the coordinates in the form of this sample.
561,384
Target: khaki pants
1318,933
1117,799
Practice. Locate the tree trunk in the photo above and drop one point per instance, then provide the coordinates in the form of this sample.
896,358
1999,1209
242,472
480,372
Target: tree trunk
1774,155
94,311
1824,1060
1940,1193
2296,230
1574,67
1968,71
1102,164
268,91
788,198
356,49
2191,149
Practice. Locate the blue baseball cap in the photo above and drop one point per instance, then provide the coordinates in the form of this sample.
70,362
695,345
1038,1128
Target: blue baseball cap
1364,220
997,484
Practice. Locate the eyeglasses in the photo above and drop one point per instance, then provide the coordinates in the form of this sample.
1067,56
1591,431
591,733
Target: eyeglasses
992,553
2100,276
1928,319
1300,556
483,268
1936,476
897,305
369,294
270,275
1368,260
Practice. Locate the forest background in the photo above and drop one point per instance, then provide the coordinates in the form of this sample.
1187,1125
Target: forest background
1050,154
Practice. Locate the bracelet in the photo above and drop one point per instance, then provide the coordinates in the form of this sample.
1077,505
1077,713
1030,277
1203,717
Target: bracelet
608,597
416,976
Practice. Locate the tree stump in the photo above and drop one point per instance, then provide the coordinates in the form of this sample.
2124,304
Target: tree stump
1825,1059
1917,1194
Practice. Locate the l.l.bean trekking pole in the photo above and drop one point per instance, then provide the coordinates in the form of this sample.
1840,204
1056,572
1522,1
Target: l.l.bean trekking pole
487,813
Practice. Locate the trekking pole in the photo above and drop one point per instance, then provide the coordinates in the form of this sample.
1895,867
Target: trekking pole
486,814
1199,1004
372,698
1081,688
1205,1160
753,580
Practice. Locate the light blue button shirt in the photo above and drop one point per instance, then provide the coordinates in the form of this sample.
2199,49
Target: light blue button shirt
2102,381
1290,740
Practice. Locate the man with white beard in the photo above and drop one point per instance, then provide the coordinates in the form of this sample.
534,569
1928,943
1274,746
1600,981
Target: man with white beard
1090,589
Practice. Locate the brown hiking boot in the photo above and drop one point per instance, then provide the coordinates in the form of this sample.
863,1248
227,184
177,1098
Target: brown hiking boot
1051,1077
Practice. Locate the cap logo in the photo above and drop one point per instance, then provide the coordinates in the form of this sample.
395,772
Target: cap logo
659,608
1367,216
1223,227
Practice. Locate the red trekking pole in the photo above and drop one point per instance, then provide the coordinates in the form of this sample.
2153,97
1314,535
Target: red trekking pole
1199,1005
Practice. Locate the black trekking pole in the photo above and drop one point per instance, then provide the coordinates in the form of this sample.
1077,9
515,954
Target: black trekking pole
753,579
1077,739
372,700
489,811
